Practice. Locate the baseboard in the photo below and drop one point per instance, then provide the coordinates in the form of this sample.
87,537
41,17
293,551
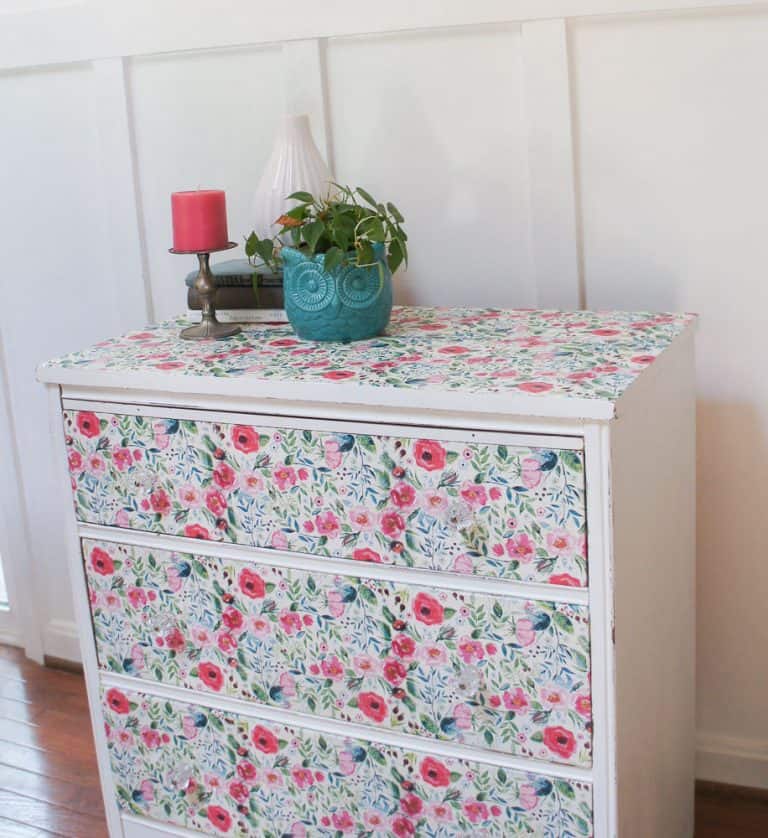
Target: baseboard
60,640
733,761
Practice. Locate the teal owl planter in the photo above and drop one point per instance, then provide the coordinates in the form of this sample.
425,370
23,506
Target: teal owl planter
348,303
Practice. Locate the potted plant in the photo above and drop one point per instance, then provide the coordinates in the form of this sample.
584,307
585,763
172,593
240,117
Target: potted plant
337,269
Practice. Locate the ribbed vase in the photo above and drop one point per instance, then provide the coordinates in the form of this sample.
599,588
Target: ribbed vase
295,165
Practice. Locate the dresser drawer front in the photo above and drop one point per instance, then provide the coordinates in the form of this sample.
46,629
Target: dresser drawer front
224,773
503,673
495,510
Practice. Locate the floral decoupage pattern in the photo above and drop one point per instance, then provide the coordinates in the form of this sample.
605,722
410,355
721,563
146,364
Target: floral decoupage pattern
578,354
226,774
504,673
494,510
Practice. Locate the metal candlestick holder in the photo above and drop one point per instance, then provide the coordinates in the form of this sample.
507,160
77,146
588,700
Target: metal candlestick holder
209,327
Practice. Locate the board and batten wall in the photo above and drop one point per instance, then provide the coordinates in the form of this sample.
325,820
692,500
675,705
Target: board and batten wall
553,153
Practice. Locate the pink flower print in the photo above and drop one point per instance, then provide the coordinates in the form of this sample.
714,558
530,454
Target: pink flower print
347,764
226,641
332,453
434,502
476,811
474,494
583,705
553,698
279,540
365,665
112,601
521,548
403,496
560,543
189,496
260,626
462,714
172,578
216,502
433,654
495,493
332,668
362,519
298,830
251,483
528,797
122,459
335,603
201,636
375,821
151,738
122,519
147,791
327,524
75,462
470,650
531,473
96,465
302,777
137,656
137,597
439,812
463,564
224,476
273,778
392,524
524,631
285,477
394,671
342,821
124,737
287,684
238,791
516,700
290,621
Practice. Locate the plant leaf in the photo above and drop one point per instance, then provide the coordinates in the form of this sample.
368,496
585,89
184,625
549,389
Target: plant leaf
395,212
333,258
395,255
366,196
304,197
365,254
312,233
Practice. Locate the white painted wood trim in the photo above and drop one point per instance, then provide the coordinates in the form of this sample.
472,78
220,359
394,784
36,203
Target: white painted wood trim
343,567
554,229
270,420
127,269
346,413
600,550
61,639
71,543
730,759
337,394
136,827
91,29
280,715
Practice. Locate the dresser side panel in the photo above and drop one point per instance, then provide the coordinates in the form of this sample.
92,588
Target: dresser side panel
653,500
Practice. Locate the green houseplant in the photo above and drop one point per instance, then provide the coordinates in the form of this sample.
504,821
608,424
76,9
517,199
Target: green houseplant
338,263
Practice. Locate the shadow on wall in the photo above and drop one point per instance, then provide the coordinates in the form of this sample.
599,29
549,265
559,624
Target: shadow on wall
732,568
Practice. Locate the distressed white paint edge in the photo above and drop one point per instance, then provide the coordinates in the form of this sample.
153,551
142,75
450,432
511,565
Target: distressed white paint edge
597,471
506,423
127,266
71,544
445,580
551,165
89,29
271,420
733,760
338,394
408,742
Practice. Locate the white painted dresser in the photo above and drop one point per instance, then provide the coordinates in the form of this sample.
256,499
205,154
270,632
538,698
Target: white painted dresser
437,583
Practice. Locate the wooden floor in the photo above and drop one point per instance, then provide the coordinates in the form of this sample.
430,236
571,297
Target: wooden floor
49,783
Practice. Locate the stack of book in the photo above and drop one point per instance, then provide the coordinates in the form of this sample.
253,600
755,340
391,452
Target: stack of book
236,299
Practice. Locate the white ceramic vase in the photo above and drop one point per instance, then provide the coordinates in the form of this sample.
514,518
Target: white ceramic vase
294,165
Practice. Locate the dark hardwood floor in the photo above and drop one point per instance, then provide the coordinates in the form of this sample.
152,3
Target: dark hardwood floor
49,783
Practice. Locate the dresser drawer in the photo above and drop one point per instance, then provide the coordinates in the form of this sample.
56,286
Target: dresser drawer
415,499
226,773
496,672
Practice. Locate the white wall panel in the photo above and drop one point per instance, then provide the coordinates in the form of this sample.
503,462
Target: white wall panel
433,122
671,132
201,120
56,288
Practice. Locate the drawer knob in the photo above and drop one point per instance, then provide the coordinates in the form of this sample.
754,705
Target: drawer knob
181,778
468,681
459,515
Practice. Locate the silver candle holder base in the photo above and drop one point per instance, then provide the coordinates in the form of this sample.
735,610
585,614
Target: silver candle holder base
209,328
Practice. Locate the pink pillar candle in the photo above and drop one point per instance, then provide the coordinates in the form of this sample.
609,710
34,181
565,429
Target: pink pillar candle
199,220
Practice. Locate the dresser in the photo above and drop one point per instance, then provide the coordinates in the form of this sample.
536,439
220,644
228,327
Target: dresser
437,583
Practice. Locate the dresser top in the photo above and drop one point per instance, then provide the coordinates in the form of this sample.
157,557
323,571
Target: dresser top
542,363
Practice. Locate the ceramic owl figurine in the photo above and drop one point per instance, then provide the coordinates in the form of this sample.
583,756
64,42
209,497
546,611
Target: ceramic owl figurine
349,303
